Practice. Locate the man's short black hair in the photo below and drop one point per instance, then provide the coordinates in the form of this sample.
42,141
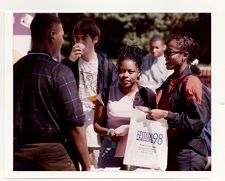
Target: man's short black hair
41,24
156,38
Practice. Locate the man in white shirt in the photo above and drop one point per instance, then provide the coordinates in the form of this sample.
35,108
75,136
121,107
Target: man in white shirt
93,73
154,71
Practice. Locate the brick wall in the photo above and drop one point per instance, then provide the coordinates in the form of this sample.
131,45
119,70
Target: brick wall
205,75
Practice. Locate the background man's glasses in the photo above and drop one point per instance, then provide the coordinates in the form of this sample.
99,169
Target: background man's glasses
168,53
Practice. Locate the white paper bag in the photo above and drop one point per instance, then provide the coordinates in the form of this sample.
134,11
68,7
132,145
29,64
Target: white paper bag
147,142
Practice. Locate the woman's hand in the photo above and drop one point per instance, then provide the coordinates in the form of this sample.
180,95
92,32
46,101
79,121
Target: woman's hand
156,114
114,136
143,108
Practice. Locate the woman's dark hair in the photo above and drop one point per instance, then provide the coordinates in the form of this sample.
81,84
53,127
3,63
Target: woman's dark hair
87,26
41,24
189,45
132,52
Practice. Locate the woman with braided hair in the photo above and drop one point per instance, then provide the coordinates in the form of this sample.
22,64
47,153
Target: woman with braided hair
124,95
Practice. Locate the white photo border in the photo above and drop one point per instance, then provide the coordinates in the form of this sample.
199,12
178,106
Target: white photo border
146,6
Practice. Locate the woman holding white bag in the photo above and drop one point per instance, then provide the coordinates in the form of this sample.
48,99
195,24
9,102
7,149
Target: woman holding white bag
182,101
123,97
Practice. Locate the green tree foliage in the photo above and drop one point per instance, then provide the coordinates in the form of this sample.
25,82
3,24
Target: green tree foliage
138,28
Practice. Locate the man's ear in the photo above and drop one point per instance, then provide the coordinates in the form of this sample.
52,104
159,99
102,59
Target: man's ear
95,39
51,37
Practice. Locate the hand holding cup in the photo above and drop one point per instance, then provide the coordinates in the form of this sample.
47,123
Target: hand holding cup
77,51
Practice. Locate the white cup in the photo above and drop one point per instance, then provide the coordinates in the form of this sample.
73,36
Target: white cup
79,49
81,46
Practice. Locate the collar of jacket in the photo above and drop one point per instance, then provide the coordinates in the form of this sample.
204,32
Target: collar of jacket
41,52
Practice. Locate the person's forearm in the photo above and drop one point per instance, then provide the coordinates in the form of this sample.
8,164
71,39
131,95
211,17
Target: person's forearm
100,130
73,58
100,119
156,114
80,143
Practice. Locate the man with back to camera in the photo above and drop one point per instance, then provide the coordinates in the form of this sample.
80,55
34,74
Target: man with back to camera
154,71
46,104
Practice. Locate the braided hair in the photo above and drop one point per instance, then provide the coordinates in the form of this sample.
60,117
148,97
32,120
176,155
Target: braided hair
132,52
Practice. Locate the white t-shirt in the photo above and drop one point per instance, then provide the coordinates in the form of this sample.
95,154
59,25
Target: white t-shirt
88,91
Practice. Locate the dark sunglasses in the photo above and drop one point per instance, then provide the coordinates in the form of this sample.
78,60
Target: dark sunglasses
168,53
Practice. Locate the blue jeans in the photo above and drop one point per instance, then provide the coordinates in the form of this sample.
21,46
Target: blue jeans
106,157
